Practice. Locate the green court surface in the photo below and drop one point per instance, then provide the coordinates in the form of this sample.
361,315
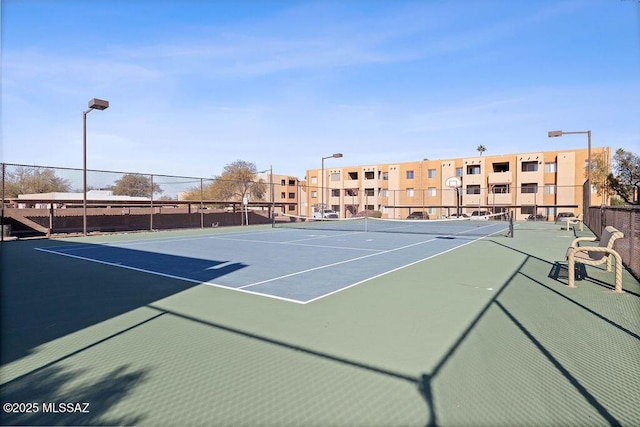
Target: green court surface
485,334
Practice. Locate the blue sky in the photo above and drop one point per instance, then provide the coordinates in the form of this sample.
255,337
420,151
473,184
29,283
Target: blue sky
196,85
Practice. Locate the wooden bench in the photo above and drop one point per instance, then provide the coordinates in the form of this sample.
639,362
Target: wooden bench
596,255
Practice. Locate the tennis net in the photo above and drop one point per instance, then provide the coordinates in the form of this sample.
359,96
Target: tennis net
484,226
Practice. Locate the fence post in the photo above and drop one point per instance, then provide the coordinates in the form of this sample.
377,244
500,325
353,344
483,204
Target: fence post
2,216
632,241
201,206
151,204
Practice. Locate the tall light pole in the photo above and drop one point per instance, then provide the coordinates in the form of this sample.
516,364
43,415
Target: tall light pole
335,156
558,133
271,194
94,104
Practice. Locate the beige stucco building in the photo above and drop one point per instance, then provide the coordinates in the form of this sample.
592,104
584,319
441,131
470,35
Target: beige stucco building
541,183
285,191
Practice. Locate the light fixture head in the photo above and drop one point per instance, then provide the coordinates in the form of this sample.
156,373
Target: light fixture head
98,104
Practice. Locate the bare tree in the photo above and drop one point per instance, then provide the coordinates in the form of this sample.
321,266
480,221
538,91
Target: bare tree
238,179
34,180
625,179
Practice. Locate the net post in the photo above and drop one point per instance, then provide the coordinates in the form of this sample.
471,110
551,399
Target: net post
510,217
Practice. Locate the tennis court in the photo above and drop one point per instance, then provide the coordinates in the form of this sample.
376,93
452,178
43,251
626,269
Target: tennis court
263,326
300,264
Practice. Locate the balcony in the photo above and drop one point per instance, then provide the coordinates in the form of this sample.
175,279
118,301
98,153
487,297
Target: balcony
473,179
500,178
351,183
529,198
500,198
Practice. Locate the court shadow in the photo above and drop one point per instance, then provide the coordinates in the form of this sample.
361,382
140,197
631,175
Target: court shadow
560,272
51,288
90,401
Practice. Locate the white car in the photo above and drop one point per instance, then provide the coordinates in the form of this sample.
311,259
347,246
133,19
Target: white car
480,215
456,216
327,213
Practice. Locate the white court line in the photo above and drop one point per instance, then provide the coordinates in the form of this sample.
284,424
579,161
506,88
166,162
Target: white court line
325,236
391,271
241,289
293,243
336,263
82,245
170,276
354,259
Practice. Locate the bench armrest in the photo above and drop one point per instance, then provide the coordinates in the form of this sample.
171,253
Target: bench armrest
575,242
573,250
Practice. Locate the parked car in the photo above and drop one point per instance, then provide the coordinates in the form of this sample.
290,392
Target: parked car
456,216
562,217
326,213
481,215
536,217
418,215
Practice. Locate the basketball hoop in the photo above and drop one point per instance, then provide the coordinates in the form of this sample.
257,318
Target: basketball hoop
453,182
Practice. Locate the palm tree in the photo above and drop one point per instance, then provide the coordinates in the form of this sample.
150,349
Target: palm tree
481,149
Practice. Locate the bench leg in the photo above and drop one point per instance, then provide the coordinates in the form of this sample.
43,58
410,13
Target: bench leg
618,274
571,270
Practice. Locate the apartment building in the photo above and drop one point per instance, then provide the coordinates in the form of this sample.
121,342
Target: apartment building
540,183
286,192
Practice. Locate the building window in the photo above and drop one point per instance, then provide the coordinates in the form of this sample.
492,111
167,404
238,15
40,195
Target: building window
551,167
530,166
431,211
353,175
351,192
335,192
458,172
500,189
431,191
528,210
431,173
384,193
292,182
282,195
410,192
292,195
409,174
369,192
550,189
292,207
473,189
501,167
369,175
314,194
335,176
529,188
473,170
368,207
385,176
314,179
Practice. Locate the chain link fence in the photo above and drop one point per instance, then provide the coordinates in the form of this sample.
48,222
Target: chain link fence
625,219
39,200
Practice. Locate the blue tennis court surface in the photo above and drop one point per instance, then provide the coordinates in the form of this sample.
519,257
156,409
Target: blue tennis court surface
297,265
